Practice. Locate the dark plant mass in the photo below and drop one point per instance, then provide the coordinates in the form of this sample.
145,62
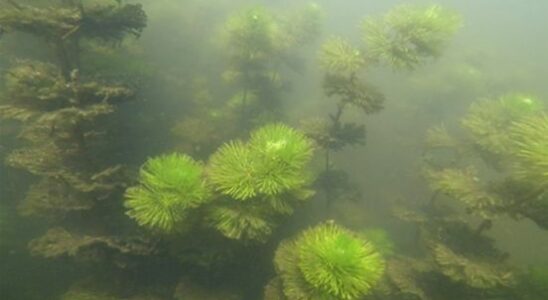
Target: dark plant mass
275,150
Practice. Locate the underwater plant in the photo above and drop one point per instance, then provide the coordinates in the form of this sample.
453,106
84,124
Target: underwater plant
242,222
462,260
250,35
407,36
507,135
257,42
68,142
256,183
271,163
530,147
328,262
465,186
62,26
260,180
170,186
302,26
339,56
489,121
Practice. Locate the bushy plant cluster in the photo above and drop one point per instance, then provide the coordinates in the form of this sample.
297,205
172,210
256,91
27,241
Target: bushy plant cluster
328,262
256,183
508,135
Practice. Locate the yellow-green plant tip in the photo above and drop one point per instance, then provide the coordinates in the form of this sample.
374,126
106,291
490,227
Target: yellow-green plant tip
232,171
328,262
338,262
271,163
281,155
169,186
530,138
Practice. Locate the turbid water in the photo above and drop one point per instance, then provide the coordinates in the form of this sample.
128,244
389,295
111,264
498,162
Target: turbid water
293,150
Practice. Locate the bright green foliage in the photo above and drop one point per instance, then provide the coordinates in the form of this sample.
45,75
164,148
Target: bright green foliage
231,169
241,223
281,153
489,121
261,179
271,163
530,137
328,262
407,36
169,187
339,56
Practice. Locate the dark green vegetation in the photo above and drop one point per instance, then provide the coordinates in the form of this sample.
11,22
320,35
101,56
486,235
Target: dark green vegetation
130,176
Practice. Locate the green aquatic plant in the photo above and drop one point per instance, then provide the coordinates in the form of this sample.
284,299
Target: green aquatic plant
242,222
439,137
489,121
231,170
170,186
257,42
498,166
474,273
465,186
271,163
250,35
351,91
529,137
260,180
282,156
303,25
328,262
339,56
63,26
407,36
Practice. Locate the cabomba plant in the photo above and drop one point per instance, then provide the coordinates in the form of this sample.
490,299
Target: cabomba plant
326,262
479,169
170,187
464,262
258,43
65,25
508,136
406,37
261,48
256,183
64,125
260,180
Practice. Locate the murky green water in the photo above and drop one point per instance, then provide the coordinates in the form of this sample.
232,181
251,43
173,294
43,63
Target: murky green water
276,150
